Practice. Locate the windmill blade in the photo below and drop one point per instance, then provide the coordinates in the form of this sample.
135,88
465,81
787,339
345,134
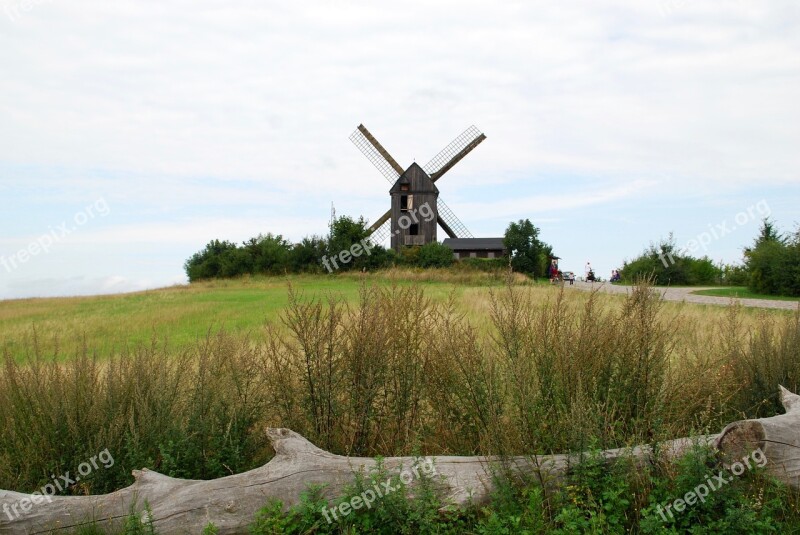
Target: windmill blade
380,221
454,152
376,154
380,234
450,223
446,228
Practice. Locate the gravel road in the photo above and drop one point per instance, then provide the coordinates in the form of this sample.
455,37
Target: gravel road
685,294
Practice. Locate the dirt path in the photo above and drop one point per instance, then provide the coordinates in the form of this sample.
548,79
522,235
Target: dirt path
685,294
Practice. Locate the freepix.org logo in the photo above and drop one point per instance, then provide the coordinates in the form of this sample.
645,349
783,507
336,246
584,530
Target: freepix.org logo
55,234
58,484
16,10
378,491
702,491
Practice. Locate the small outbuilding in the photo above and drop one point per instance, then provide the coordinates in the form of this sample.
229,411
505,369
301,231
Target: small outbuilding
476,247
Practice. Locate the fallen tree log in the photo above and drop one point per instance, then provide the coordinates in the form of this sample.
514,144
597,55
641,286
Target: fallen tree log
187,506
778,438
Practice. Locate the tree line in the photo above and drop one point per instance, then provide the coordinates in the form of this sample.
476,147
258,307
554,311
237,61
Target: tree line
770,266
272,254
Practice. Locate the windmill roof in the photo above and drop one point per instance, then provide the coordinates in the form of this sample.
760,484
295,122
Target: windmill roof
472,244
417,176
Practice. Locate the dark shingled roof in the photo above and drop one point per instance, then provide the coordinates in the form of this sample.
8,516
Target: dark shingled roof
474,244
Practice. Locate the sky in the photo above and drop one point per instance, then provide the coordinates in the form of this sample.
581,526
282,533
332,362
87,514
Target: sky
134,132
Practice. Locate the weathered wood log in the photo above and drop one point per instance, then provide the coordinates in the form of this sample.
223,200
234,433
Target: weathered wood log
187,506
777,437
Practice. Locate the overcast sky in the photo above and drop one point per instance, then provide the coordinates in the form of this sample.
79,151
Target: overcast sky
133,132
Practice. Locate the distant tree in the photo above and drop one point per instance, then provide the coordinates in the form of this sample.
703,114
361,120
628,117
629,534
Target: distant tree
434,254
209,262
768,233
734,275
235,262
792,275
306,256
528,254
669,265
773,261
345,232
269,253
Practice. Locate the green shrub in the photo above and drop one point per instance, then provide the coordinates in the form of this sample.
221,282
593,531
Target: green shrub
139,523
667,265
528,253
773,262
595,496
489,265
435,255
400,511
734,275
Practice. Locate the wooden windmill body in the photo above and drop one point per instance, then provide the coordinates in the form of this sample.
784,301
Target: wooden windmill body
407,222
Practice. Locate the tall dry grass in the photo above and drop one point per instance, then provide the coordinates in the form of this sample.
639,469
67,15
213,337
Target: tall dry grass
527,369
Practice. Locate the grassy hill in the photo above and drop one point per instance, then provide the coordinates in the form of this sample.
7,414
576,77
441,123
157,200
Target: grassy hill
183,314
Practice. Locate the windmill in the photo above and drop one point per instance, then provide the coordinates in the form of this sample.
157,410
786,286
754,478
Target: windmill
413,189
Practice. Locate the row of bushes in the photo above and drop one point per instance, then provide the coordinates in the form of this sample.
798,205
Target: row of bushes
272,254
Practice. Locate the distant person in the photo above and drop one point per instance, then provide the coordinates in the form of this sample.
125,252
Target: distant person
588,270
553,271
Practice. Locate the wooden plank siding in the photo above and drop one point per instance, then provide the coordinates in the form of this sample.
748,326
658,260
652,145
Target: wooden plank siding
418,189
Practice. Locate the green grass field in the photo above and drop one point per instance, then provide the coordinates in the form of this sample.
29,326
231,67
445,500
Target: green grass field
742,293
183,314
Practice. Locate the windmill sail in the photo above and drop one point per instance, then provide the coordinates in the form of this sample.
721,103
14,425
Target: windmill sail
454,152
381,234
376,154
470,138
452,225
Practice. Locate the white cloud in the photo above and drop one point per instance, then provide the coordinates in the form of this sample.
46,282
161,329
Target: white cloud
205,119
548,204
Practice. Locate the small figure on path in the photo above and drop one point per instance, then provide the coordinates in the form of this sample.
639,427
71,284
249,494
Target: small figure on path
553,271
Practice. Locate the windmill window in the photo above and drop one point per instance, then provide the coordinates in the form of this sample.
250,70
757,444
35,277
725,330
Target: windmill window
413,230
404,187
406,202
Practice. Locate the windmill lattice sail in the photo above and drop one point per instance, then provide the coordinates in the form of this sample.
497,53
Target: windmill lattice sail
455,225
417,185
381,234
376,154
454,152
